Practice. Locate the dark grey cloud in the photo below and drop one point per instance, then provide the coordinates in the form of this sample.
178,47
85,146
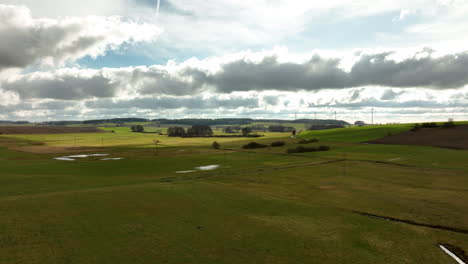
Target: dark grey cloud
64,85
269,74
155,80
437,73
447,72
450,71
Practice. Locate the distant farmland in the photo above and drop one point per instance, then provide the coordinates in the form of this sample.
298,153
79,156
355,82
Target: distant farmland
183,201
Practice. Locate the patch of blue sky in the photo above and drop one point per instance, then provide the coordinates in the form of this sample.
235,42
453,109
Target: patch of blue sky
350,33
140,55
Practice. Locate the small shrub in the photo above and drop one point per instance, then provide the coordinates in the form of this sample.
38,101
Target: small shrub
308,141
254,145
216,145
278,144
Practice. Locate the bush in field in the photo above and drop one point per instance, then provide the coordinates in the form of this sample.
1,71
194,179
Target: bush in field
308,141
138,128
176,132
254,145
278,144
216,145
302,149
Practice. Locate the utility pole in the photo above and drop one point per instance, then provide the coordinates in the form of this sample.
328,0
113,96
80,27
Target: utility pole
372,115
335,115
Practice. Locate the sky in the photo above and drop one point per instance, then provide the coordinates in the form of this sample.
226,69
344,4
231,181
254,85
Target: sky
281,59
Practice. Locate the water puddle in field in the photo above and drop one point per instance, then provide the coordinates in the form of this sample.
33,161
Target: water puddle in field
187,171
86,156
113,159
201,168
395,159
82,156
64,159
209,167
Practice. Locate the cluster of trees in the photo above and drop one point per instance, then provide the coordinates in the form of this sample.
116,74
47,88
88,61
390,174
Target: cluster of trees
176,132
238,129
194,131
199,131
138,129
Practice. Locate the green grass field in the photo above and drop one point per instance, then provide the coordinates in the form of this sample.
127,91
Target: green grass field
260,206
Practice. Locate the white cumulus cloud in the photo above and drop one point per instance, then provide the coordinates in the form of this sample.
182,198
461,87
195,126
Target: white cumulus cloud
29,41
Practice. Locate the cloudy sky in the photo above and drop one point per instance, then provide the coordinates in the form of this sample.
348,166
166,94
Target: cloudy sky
88,59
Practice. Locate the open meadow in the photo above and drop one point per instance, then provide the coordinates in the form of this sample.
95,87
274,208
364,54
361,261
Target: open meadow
357,203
